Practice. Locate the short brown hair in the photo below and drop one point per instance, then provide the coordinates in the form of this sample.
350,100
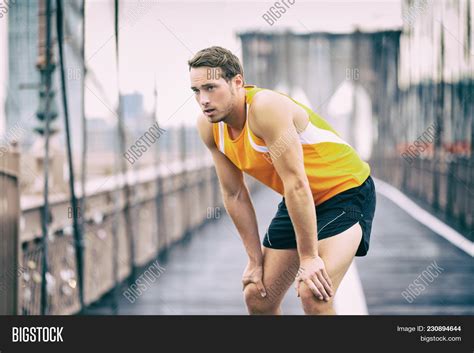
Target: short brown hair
218,57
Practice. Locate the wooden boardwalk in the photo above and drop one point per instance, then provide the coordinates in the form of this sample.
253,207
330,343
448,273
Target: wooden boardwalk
401,249
202,274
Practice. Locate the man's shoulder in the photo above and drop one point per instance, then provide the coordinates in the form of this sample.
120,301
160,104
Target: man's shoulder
205,129
266,96
269,113
269,100
268,103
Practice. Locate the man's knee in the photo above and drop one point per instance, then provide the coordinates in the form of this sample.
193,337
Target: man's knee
256,304
312,304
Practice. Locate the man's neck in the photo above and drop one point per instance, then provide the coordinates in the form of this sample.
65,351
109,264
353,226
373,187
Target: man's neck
236,119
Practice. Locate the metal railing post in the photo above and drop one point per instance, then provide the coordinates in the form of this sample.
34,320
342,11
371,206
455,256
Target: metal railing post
9,232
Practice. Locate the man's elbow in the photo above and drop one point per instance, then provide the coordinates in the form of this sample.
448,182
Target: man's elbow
234,194
297,185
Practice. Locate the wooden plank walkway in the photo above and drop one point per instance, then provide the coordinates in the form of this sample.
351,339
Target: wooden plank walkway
401,249
202,274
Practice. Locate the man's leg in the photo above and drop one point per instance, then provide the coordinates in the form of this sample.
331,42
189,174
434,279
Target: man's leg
279,272
337,253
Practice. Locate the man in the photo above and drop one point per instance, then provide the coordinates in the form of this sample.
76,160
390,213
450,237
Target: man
325,217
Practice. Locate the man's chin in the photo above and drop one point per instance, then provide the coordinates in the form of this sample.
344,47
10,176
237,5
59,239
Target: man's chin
214,119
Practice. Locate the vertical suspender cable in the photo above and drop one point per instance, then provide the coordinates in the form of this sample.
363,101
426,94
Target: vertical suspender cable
74,203
159,193
121,131
84,123
46,81
116,214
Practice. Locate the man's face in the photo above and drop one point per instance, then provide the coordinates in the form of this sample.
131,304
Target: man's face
215,96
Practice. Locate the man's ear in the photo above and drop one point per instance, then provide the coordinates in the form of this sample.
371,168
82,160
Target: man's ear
239,80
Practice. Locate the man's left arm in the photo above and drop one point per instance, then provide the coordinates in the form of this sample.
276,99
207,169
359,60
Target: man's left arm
272,120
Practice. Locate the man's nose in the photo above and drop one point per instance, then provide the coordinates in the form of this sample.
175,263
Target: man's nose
203,100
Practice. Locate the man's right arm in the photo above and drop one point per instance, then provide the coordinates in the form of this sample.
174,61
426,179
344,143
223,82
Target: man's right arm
235,194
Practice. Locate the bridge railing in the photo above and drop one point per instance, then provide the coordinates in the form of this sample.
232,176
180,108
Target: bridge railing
9,233
166,204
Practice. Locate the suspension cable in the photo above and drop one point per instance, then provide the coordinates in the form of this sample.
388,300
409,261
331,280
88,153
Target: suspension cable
76,227
122,141
83,119
46,72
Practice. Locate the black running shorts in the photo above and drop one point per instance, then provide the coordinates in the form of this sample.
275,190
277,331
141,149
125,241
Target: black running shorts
334,216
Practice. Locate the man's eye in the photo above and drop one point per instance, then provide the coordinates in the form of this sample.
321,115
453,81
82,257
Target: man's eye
210,88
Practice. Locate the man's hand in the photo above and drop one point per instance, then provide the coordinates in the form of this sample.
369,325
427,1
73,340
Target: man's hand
253,273
313,273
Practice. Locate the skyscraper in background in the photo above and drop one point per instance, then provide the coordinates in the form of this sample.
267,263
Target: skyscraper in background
23,76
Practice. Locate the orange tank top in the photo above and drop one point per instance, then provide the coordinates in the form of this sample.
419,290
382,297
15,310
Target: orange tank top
331,164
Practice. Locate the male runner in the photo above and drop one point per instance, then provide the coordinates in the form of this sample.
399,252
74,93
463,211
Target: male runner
325,217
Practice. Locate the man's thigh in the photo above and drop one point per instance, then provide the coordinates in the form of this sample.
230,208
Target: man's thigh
338,252
279,271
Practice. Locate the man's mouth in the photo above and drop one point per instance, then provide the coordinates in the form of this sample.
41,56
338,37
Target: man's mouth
209,111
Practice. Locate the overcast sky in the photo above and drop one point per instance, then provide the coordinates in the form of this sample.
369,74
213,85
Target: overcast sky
158,38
